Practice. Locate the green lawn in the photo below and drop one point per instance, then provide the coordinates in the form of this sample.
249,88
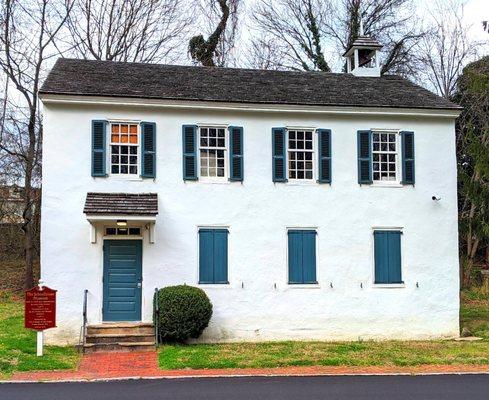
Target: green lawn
474,315
18,345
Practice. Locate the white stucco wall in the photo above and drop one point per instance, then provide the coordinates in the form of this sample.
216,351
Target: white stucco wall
258,304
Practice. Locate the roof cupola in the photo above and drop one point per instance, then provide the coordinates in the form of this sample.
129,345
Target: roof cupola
362,57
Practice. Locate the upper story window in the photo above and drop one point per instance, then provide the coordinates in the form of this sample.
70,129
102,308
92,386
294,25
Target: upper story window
385,156
212,150
124,148
300,154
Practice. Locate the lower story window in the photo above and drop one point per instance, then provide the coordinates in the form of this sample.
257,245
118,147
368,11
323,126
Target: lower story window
387,249
302,256
213,255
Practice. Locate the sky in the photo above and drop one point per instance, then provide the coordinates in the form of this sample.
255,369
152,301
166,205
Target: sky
477,11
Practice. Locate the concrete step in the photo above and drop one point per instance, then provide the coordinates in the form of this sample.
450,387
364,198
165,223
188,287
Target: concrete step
123,347
124,328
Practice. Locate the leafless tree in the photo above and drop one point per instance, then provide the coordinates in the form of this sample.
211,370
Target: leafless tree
27,36
221,19
309,30
447,48
296,29
391,22
128,30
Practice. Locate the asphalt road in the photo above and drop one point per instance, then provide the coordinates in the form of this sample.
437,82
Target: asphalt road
444,387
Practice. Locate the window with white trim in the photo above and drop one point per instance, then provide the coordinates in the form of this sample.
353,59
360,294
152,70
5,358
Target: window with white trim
212,151
124,148
125,231
385,156
300,153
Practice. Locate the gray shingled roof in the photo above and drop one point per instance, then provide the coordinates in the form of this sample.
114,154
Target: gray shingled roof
173,82
121,203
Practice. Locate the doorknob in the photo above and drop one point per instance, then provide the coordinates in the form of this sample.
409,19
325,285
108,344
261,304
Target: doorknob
139,285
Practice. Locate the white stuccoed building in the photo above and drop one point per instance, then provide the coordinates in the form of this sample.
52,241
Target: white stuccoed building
307,205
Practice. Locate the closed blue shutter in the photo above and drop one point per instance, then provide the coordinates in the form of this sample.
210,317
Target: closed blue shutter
236,153
206,256
220,256
148,164
387,249
189,139
324,136
98,148
309,257
278,155
407,158
364,147
213,256
295,256
302,256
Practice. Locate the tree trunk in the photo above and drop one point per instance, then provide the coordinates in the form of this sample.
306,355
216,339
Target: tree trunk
28,226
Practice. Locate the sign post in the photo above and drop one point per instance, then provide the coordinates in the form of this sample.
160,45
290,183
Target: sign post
40,311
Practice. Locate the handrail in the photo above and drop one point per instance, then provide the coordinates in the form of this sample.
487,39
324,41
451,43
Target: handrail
156,314
85,319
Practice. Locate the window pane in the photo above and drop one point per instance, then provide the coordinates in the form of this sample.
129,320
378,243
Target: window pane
124,129
133,129
134,231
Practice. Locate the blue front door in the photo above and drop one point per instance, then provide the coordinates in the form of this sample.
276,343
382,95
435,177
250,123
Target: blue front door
122,280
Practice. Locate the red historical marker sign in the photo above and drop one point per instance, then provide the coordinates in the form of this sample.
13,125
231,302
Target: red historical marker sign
40,308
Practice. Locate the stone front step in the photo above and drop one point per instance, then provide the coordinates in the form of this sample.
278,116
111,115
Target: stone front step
118,338
142,328
119,347
124,336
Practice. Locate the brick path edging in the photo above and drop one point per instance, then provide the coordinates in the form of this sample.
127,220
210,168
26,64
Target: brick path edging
109,366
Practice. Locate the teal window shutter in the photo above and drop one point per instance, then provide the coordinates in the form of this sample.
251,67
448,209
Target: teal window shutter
148,164
302,256
324,137
407,139
99,147
236,154
364,148
189,139
213,256
278,156
387,250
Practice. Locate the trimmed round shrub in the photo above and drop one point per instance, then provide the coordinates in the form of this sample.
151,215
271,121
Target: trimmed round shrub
184,313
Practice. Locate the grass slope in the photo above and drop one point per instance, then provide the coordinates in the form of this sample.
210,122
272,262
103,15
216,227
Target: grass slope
18,345
474,315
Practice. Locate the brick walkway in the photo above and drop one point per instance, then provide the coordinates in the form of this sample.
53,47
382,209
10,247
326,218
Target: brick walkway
145,365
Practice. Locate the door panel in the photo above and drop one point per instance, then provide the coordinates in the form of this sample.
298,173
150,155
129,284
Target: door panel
122,276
